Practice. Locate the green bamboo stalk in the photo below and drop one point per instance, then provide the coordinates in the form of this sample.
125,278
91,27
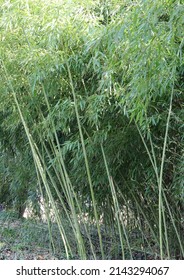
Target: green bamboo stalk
161,174
86,161
38,164
116,206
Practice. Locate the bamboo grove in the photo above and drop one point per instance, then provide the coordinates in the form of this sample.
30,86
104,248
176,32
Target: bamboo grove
92,122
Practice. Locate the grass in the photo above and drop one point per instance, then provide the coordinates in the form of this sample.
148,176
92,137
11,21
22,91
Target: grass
30,239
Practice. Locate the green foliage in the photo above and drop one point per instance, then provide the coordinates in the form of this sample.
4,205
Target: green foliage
125,61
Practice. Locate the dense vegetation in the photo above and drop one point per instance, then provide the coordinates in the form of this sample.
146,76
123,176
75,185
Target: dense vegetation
92,121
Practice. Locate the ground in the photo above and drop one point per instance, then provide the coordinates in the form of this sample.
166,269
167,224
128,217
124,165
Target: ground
29,239
20,241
